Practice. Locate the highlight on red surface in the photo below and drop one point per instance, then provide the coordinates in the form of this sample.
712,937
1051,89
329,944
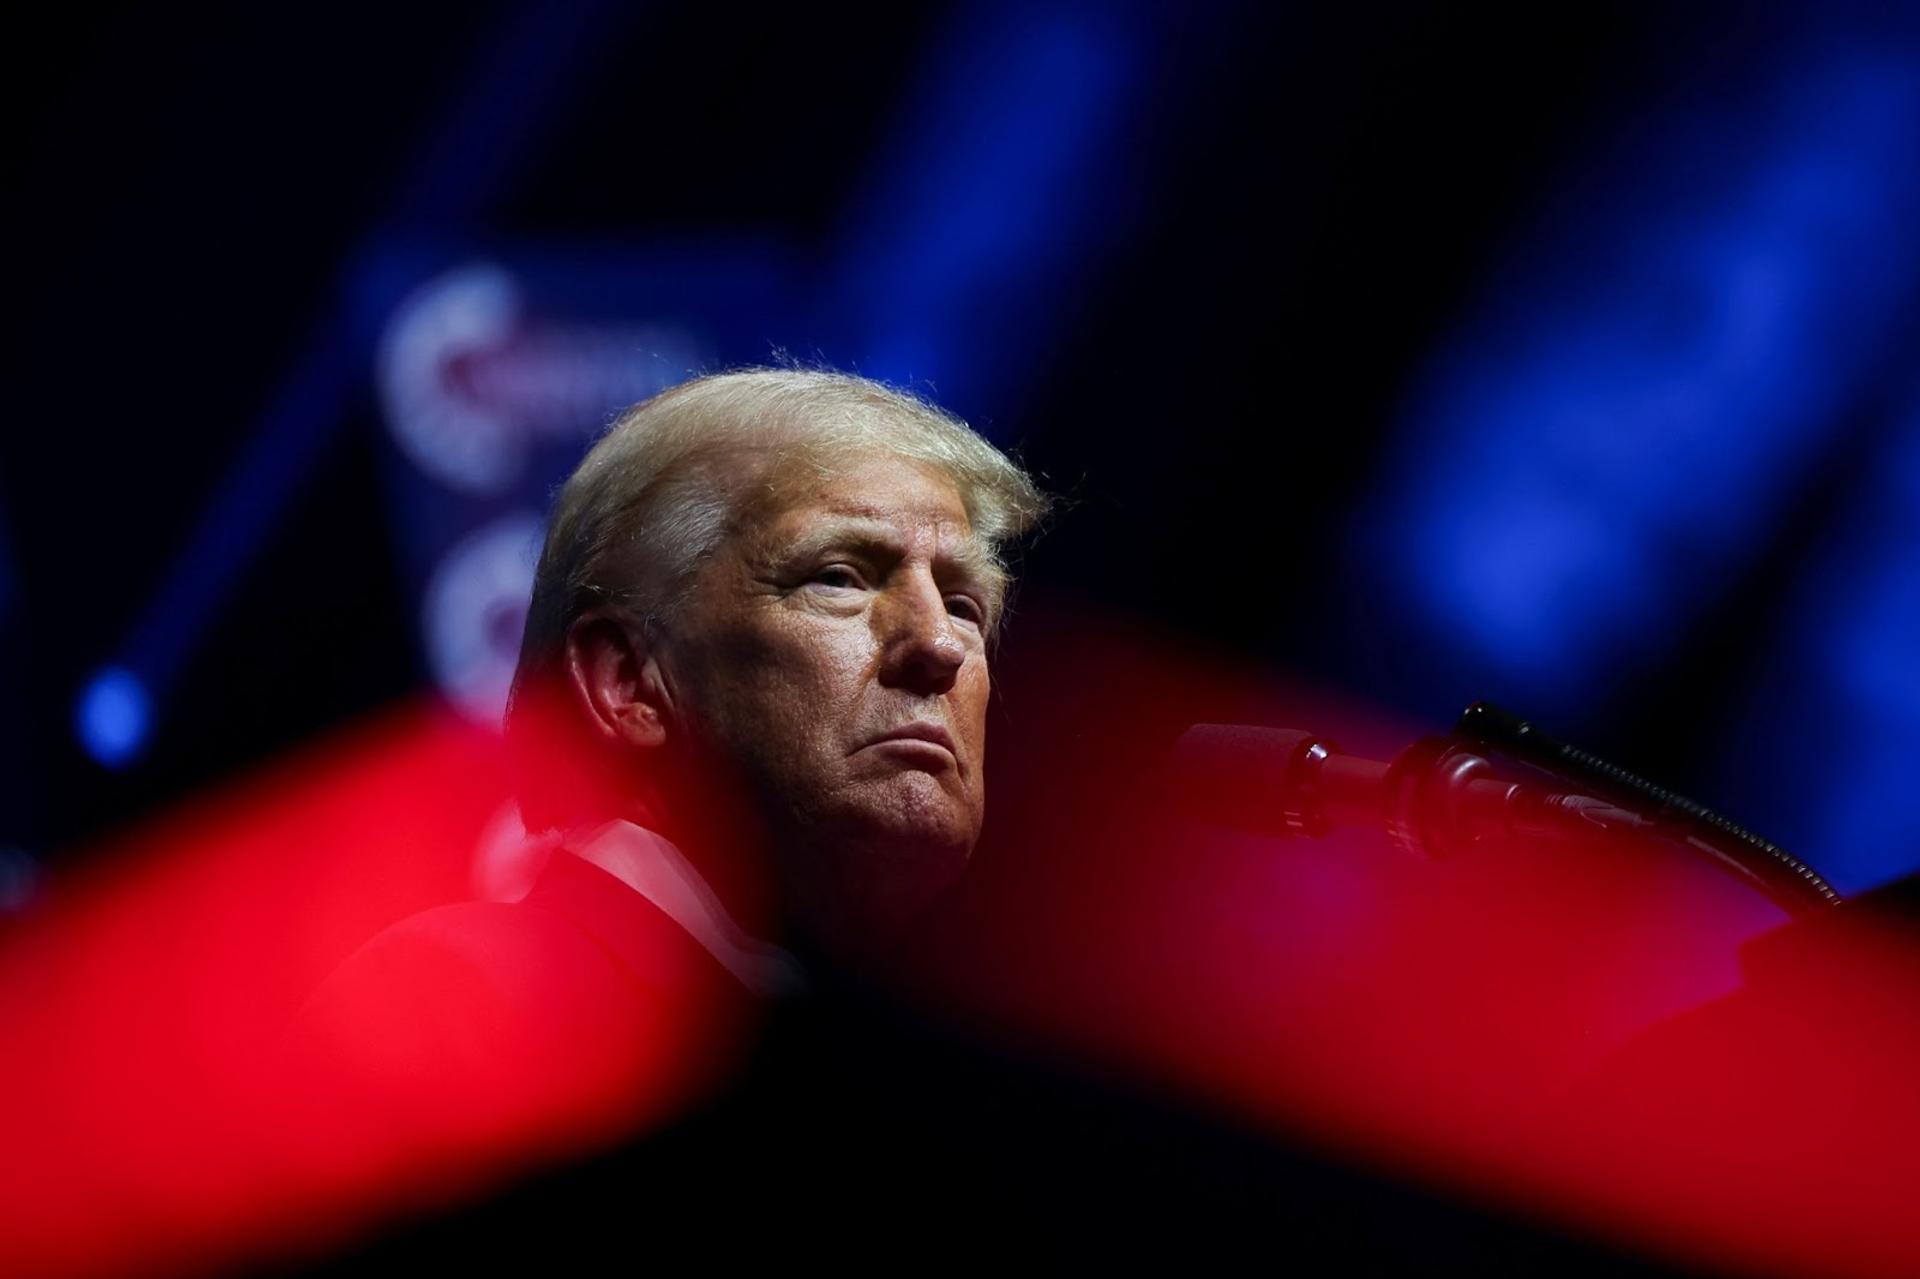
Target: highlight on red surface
1600,1030
257,1028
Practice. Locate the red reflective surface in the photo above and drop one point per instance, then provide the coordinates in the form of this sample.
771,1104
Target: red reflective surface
209,1064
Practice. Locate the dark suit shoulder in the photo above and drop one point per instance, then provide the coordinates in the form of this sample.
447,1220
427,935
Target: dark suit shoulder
582,1010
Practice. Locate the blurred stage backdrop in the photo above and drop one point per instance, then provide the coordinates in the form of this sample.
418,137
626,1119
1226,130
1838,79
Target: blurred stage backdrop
1568,359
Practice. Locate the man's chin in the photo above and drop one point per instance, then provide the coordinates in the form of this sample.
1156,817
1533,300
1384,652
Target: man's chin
872,875
909,815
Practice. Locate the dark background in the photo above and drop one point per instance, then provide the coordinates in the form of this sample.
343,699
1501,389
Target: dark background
1564,358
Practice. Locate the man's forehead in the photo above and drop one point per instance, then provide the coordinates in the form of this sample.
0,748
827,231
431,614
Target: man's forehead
881,496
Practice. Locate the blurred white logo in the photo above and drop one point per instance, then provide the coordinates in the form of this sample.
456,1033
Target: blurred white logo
471,380
475,610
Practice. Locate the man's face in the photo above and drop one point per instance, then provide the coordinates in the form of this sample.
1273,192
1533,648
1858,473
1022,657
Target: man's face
836,651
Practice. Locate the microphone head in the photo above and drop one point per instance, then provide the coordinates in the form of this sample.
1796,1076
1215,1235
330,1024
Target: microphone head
1248,778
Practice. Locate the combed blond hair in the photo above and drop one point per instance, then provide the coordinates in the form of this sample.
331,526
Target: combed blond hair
675,474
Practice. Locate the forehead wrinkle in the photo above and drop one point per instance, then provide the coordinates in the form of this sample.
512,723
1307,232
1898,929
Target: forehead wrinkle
818,537
864,526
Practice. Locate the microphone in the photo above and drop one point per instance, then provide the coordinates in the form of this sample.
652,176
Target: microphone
1443,795
1436,798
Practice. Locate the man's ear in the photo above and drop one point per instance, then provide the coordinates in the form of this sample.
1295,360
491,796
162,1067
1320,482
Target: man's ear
614,675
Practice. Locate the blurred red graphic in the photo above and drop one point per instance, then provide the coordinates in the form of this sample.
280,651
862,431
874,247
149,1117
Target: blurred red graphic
1599,1030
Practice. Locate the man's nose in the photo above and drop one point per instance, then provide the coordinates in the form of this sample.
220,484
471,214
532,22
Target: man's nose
921,649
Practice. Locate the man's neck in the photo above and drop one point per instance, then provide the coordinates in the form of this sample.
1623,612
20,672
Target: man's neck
724,850
650,864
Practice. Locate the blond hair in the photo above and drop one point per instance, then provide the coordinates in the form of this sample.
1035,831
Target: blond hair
675,474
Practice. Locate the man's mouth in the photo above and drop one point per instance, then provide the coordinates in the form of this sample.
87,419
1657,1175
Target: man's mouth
921,734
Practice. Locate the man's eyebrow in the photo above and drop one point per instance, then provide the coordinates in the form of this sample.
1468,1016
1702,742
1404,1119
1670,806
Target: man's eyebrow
853,532
968,556
972,558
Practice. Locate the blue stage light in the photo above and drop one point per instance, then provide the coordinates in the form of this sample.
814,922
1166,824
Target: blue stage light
1609,444
114,716
518,84
1822,757
985,210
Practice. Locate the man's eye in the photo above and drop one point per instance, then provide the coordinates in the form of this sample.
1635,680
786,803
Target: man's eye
966,608
838,576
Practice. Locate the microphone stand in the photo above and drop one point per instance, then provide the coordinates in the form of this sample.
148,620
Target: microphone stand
1442,795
